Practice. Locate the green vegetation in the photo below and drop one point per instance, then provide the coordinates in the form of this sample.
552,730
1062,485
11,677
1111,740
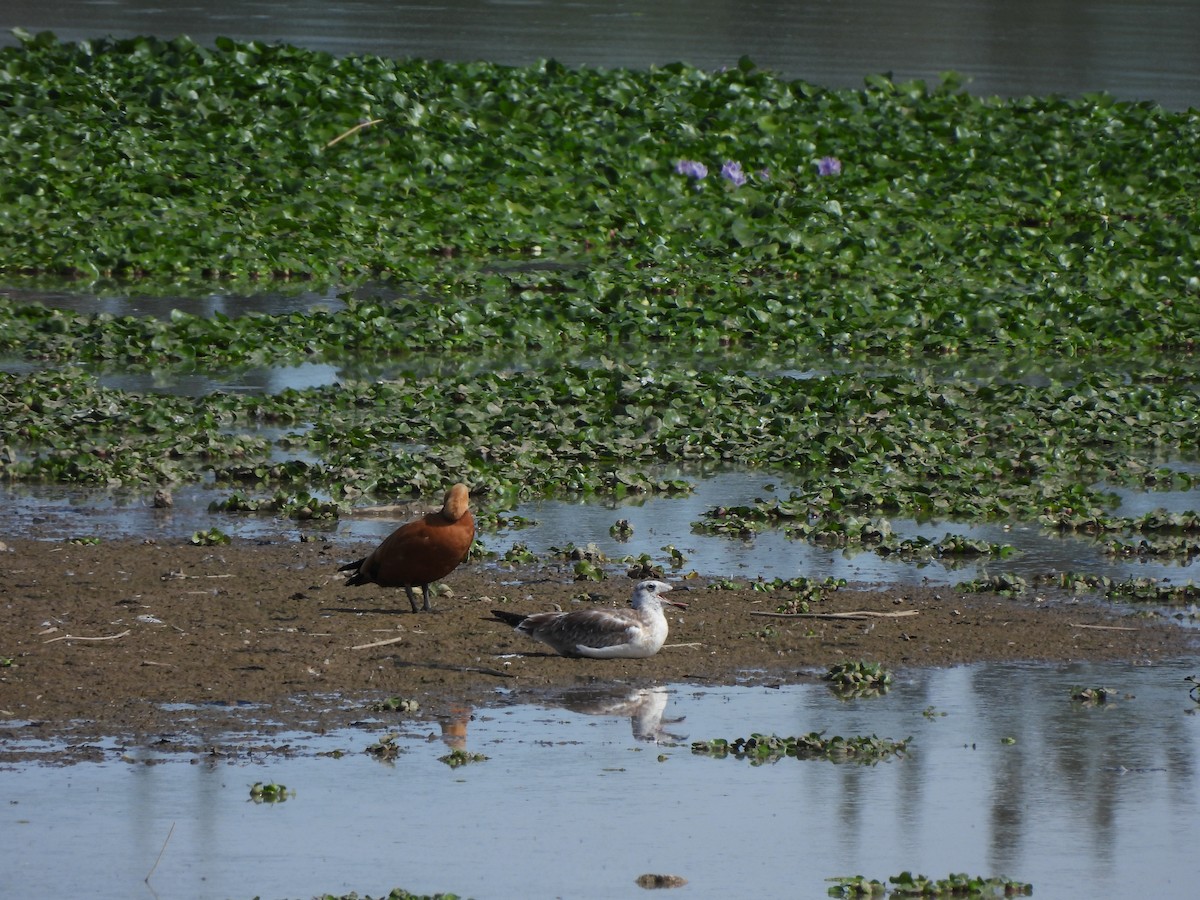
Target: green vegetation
761,748
456,758
1129,590
396,704
1092,696
859,679
211,538
986,311
908,885
385,749
955,222
1008,584
269,792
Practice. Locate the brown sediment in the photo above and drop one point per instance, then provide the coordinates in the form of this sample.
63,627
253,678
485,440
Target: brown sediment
109,638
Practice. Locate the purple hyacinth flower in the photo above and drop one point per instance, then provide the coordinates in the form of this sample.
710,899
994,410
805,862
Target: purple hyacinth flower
691,168
829,165
732,171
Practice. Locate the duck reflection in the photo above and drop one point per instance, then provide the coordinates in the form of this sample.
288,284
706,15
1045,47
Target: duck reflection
454,727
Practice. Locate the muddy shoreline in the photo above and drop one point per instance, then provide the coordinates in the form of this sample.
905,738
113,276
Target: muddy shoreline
173,644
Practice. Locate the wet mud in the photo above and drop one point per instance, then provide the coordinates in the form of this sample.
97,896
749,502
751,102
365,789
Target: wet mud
131,638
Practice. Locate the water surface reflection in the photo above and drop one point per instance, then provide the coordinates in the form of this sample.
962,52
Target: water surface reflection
1006,776
1007,47
658,523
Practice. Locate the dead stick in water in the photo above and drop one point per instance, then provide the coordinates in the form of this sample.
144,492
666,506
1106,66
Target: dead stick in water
75,637
857,614
1103,627
160,853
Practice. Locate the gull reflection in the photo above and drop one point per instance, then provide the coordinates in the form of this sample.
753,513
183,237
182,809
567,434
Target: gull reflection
645,708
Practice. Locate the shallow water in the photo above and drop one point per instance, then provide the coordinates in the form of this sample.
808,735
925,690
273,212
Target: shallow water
160,306
1008,47
1084,801
59,512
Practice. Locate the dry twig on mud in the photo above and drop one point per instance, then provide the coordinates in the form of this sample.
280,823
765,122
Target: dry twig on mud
75,637
400,663
377,643
856,614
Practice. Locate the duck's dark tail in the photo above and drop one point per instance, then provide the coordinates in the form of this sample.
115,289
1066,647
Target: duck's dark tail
358,577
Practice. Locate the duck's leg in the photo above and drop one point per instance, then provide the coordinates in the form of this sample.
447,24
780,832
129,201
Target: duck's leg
412,598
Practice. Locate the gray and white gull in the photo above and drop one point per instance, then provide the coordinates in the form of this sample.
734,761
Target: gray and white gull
633,633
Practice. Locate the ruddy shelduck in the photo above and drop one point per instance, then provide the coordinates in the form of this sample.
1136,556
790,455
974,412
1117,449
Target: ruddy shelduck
422,551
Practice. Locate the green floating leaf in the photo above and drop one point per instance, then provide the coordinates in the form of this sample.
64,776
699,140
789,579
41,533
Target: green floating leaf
759,748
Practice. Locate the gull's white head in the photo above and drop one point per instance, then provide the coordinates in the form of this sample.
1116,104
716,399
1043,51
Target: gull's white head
648,595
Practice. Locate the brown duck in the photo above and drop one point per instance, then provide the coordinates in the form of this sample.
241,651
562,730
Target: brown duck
422,551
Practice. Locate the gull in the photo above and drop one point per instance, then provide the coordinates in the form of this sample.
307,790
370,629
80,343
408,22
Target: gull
602,633
422,551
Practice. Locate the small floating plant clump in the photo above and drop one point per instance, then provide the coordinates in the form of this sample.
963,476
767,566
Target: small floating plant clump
269,792
859,678
457,757
1173,546
643,567
1135,590
211,538
518,554
1158,522
805,591
760,748
386,749
1008,585
652,881
396,704
588,562
906,884
847,531
1092,696
301,506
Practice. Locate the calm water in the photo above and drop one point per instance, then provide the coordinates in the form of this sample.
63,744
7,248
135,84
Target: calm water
574,801
58,513
1148,50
